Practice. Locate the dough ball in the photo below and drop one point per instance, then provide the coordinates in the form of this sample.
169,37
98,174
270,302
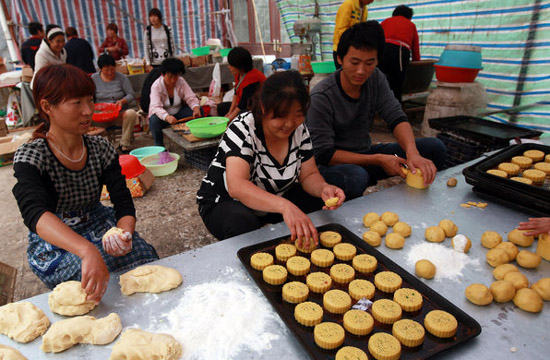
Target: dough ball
139,344
503,291
402,228
330,202
372,238
528,300
461,243
543,288
415,180
511,249
528,259
449,227
380,227
452,182
424,269
22,321
516,236
502,270
496,257
389,218
479,294
9,353
434,234
150,279
370,218
490,239
395,241
517,279
69,299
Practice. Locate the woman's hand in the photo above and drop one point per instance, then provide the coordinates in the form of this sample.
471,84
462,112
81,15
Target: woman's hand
197,112
331,191
300,225
535,226
95,276
118,245
170,119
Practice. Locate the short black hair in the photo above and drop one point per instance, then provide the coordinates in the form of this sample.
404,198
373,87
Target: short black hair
113,26
71,31
403,10
49,27
35,27
155,12
105,60
172,66
240,58
367,35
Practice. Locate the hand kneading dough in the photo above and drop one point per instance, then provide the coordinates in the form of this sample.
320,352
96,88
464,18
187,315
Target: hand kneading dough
389,218
137,344
461,243
9,353
449,227
330,202
435,234
69,299
517,279
372,238
402,228
380,227
425,269
22,321
113,230
528,259
543,288
395,241
511,249
503,291
502,270
490,239
81,330
479,294
516,236
528,300
149,278
370,218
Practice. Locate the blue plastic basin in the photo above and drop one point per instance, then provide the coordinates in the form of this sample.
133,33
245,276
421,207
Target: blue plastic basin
142,152
461,58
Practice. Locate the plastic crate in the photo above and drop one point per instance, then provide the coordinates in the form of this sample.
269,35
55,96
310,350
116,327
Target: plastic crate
461,150
200,159
7,283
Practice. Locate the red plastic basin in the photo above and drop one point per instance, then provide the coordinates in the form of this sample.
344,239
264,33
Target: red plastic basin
455,74
105,112
131,167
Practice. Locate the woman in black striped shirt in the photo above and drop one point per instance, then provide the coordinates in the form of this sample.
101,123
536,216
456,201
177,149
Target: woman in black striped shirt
264,170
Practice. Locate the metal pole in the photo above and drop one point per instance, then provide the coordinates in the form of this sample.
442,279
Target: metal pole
7,35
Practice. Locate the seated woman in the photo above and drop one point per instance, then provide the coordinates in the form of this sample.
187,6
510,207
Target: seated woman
60,173
114,45
247,82
264,170
171,99
114,87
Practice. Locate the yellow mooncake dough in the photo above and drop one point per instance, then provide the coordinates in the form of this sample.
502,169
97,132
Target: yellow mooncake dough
365,263
336,301
394,241
261,260
452,182
344,251
496,257
409,299
275,274
342,273
479,294
535,175
543,288
522,180
301,246
372,238
425,269
284,252
440,323
351,353
517,279
361,288
528,259
389,218
434,234
516,237
510,248
509,168
535,155
383,346
298,265
522,161
295,292
461,243
330,238
308,313
330,202
502,270
490,239
544,167
370,218
9,353
328,335
380,227
503,291
409,332
318,282
449,227
386,311
528,300
547,158
358,322
498,173
402,228
322,257
387,281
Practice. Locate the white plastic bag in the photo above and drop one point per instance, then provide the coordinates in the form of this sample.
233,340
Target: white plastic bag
216,84
13,117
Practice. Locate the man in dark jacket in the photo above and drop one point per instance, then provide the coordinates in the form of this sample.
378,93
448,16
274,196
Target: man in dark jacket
31,45
79,51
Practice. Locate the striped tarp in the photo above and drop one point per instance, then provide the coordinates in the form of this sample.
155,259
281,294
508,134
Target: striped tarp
192,21
514,36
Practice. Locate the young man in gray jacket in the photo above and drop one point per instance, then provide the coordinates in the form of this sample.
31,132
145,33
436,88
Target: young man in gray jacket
342,112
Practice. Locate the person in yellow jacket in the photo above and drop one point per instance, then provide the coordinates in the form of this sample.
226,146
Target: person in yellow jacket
349,13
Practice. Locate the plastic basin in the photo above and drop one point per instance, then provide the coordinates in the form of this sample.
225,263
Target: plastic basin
204,50
105,112
151,163
225,52
455,74
142,152
208,127
131,167
460,58
323,67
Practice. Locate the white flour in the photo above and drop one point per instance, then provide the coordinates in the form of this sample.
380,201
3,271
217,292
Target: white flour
217,320
449,263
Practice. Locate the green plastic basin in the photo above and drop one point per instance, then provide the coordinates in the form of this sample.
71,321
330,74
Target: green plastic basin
323,67
204,50
208,127
225,52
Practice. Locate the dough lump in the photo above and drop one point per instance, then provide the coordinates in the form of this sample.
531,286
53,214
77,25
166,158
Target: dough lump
502,270
511,249
380,227
81,330
370,218
69,299
516,236
22,321
425,269
434,234
528,259
517,279
543,288
452,182
490,239
372,238
9,353
389,218
503,291
496,257
149,278
395,241
137,344
449,227
528,300
402,228
479,294
461,243
330,202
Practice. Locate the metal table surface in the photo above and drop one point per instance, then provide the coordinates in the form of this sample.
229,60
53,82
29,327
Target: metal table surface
503,325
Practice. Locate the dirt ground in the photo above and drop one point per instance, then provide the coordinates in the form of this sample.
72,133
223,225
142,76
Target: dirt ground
169,205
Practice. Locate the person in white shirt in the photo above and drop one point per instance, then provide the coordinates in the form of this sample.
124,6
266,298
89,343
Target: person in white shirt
51,51
158,40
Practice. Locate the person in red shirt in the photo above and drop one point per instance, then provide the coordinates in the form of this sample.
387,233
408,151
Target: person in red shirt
113,44
401,41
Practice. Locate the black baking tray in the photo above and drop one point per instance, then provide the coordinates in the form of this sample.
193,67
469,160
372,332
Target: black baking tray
468,328
483,131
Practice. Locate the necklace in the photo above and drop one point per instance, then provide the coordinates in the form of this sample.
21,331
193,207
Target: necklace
65,156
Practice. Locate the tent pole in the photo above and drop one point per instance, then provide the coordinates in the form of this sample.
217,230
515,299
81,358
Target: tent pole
7,34
258,26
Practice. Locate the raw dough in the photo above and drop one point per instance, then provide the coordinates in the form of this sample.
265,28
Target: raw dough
370,218
461,243
490,239
543,288
402,228
22,321
81,330
395,241
389,218
69,298
434,234
517,279
511,249
149,278
503,291
302,247
113,230
9,353
449,227
528,300
452,182
502,270
330,202
479,294
415,180
372,238
137,344
425,269
496,257
528,259
380,227
516,236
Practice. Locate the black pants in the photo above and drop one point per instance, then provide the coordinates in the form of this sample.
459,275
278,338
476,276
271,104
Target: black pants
394,70
231,218
223,108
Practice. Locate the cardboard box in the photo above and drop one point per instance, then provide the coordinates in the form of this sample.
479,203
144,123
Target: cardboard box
186,60
10,143
3,128
138,186
26,74
201,60
122,67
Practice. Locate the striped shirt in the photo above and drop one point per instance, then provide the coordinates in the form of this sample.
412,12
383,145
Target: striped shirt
245,140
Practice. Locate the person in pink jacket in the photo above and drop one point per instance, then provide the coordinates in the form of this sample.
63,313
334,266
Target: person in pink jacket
171,99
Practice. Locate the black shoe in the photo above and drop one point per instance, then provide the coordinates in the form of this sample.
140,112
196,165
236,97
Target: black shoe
123,149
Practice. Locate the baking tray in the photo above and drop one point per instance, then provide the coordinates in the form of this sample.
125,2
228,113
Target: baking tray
483,131
468,328
527,205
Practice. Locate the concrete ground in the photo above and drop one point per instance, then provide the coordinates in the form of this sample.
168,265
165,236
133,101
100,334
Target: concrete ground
169,205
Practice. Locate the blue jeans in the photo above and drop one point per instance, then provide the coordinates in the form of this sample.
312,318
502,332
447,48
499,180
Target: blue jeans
156,124
354,179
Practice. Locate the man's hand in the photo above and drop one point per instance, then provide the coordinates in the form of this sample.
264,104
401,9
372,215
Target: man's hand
170,119
427,167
